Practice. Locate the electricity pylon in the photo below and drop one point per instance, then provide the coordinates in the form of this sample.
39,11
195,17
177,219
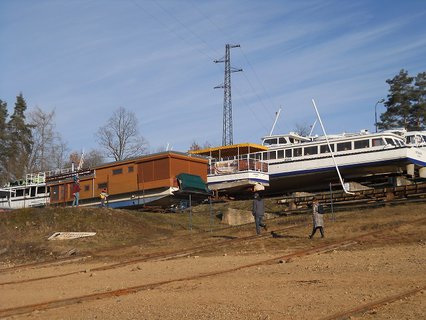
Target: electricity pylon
227,135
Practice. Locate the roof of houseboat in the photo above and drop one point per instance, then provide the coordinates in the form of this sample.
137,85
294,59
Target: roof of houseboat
230,150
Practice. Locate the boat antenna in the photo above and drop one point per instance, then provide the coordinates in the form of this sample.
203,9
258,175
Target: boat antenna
277,115
329,148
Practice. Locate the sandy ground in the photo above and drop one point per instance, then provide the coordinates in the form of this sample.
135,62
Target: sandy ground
225,282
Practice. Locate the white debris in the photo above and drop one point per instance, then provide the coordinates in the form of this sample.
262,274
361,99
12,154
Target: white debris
70,235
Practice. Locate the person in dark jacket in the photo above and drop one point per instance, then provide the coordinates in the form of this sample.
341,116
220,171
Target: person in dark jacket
317,220
258,212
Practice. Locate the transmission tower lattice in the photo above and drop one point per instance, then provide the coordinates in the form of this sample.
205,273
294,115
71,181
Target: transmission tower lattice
227,135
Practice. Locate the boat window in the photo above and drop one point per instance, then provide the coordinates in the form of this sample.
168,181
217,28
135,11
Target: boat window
310,150
86,188
378,142
117,171
19,193
130,169
297,152
390,141
288,153
42,189
282,140
291,140
32,192
324,148
272,155
280,154
270,141
411,140
423,139
361,144
344,146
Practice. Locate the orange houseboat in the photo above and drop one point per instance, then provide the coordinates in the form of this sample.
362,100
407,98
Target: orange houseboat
135,182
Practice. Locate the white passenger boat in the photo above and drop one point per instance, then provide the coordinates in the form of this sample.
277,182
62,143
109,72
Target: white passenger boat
234,169
297,163
31,192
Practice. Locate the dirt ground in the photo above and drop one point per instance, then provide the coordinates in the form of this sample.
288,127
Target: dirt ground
221,272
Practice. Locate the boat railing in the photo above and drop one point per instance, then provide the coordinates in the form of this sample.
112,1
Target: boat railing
35,178
242,163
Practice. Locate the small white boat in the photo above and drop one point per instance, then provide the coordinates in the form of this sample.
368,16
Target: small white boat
234,169
28,193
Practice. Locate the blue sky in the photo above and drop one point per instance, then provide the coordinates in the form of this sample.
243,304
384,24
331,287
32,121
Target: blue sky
84,59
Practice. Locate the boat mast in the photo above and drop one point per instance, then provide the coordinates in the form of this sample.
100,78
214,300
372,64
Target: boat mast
277,115
329,148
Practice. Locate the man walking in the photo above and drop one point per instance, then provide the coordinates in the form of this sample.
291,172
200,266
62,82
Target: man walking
258,212
317,219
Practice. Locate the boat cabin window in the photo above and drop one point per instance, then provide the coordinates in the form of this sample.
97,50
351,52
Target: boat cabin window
42,189
297,152
288,153
411,139
310,150
272,155
344,146
86,188
280,154
399,143
19,193
117,171
291,140
130,169
282,140
270,141
32,192
361,144
390,141
378,142
324,148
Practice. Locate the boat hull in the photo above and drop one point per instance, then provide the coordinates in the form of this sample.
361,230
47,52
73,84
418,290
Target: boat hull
318,173
237,182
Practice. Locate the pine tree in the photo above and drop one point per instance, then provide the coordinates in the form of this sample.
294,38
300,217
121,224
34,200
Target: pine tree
399,106
418,114
19,140
3,142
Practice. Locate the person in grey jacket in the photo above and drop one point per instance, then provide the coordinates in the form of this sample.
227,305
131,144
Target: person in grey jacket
258,212
317,220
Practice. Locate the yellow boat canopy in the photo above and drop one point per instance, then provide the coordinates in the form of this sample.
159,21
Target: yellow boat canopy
230,151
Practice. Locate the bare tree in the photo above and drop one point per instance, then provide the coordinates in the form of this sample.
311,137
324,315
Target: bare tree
195,146
303,129
60,154
93,158
120,136
46,142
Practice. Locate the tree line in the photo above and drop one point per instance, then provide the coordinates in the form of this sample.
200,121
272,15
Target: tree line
29,142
